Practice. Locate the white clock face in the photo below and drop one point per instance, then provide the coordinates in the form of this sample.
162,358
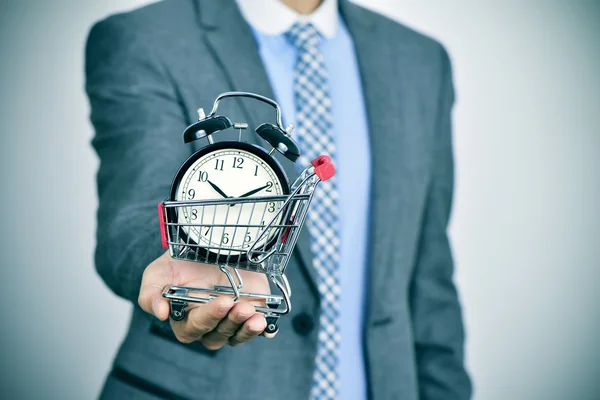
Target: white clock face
228,173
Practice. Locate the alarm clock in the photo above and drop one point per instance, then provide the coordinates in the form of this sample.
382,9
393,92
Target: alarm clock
231,171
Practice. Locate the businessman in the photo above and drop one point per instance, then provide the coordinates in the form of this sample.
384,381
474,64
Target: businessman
376,314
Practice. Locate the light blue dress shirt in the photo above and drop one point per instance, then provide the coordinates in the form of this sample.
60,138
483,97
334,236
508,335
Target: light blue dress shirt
354,179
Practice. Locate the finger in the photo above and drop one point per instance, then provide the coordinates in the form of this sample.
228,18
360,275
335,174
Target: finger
201,319
160,306
270,335
219,337
251,329
156,277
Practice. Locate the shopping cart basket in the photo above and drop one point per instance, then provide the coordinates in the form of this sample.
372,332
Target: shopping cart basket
251,241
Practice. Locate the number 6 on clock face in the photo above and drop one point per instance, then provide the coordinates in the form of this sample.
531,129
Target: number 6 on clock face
228,170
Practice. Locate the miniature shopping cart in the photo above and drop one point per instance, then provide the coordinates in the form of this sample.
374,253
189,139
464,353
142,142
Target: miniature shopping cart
264,245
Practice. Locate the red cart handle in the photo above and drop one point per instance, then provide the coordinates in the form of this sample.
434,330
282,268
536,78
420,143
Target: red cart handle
324,168
163,229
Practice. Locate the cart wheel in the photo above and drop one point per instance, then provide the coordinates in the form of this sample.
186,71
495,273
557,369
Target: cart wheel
178,310
272,326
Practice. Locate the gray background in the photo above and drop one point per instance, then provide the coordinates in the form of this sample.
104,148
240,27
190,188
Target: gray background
524,226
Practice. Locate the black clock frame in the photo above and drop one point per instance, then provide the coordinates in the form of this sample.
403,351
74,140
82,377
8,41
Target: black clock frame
204,253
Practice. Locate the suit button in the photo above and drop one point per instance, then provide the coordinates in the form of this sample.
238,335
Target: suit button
303,324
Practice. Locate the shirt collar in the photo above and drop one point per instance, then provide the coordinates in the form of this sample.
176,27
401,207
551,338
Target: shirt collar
272,17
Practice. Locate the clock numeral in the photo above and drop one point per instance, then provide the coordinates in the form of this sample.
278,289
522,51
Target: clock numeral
194,213
247,240
219,164
207,230
225,238
202,176
191,194
237,162
269,187
271,207
256,170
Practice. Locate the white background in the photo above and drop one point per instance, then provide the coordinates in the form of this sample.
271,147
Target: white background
524,226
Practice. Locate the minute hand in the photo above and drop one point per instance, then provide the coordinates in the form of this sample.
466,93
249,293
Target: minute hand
250,193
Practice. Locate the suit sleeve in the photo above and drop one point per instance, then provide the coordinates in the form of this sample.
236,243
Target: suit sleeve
436,312
137,119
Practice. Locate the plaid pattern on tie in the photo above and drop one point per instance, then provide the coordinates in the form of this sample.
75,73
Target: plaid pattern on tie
314,132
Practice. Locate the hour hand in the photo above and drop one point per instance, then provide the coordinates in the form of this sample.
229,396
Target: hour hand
217,189
250,193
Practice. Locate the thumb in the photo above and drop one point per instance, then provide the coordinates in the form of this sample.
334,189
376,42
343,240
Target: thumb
157,276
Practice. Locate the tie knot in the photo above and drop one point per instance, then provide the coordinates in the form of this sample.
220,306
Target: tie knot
303,36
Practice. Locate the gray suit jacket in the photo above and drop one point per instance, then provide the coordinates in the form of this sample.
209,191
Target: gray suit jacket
147,72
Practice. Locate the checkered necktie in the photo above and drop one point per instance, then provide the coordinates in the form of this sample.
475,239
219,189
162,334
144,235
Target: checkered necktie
314,132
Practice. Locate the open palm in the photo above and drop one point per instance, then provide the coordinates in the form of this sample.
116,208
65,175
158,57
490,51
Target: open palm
216,323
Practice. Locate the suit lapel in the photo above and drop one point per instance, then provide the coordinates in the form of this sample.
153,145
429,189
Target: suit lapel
232,44
391,150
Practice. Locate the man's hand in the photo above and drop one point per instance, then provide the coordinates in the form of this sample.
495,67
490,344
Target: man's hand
215,324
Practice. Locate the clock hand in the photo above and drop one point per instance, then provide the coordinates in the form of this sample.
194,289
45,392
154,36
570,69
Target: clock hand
254,191
217,189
